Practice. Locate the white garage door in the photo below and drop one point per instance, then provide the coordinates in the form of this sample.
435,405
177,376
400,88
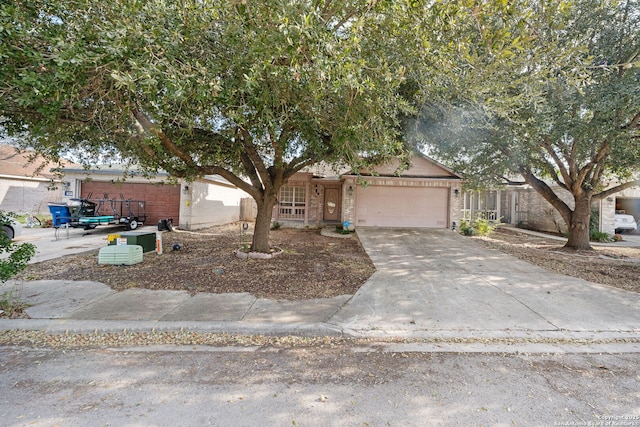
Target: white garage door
385,206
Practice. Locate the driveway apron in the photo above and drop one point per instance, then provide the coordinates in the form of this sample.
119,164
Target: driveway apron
438,280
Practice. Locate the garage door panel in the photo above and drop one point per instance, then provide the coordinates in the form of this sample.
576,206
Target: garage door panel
384,206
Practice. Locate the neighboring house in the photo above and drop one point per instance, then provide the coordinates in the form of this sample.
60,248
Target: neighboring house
523,206
517,205
25,186
191,205
427,195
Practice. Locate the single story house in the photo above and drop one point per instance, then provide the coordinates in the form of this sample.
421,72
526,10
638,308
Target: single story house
426,195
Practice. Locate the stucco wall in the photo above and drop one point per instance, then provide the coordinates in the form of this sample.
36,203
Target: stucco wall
206,203
419,167
27,195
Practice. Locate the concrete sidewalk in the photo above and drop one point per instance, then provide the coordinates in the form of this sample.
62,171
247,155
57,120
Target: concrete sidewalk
429,284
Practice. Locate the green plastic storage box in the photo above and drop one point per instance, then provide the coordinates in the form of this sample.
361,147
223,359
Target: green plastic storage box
146,240
120,255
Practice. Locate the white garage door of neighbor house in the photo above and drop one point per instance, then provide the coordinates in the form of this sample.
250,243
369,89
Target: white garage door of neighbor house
384,206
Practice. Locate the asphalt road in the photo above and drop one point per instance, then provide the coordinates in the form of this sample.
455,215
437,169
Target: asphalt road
319,386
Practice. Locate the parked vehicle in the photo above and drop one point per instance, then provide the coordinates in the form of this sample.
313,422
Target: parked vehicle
625,223
12,228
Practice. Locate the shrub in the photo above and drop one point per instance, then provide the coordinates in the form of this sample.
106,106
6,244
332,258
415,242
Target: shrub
341,230
479,226
465,228
19,254
484,227
599,236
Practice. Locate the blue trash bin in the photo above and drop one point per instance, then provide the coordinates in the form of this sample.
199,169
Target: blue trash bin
60,214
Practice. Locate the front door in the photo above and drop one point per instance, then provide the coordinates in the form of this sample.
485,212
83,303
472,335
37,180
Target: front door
331,204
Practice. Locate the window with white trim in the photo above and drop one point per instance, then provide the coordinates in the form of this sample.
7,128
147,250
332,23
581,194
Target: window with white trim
292,202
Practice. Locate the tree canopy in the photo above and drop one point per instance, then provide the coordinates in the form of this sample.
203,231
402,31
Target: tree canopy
252,91
256,91
562,109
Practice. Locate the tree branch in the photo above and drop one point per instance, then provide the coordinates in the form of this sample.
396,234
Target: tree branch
233,179
602,153
167,143
509,181
616,189
254,157
250,169
566,175
546,192
296,165
634,123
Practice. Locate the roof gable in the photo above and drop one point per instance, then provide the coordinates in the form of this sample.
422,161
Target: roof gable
421,167
14,162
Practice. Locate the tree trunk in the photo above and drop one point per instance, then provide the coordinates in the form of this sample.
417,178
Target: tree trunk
579,233
260,241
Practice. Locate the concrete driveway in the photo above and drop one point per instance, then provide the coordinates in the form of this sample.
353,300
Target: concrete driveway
437,280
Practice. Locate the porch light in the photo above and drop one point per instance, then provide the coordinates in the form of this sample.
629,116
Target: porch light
350,191
456,192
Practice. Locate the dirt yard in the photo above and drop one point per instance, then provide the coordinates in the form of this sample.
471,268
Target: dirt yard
613,265
312,265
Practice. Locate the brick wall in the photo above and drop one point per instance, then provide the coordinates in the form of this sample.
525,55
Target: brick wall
162,200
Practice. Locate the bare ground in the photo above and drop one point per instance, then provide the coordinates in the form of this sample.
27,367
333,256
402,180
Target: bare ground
312,265
613,265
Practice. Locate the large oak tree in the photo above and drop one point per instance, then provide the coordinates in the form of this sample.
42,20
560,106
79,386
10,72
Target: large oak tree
252,91
561,106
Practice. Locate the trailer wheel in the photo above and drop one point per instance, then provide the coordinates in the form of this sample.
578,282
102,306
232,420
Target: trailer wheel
132,224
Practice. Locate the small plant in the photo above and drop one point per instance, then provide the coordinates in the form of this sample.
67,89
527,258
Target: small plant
10,306
465,228
483,226
18,257
18,254
275,225
479,226
599,236
341,230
